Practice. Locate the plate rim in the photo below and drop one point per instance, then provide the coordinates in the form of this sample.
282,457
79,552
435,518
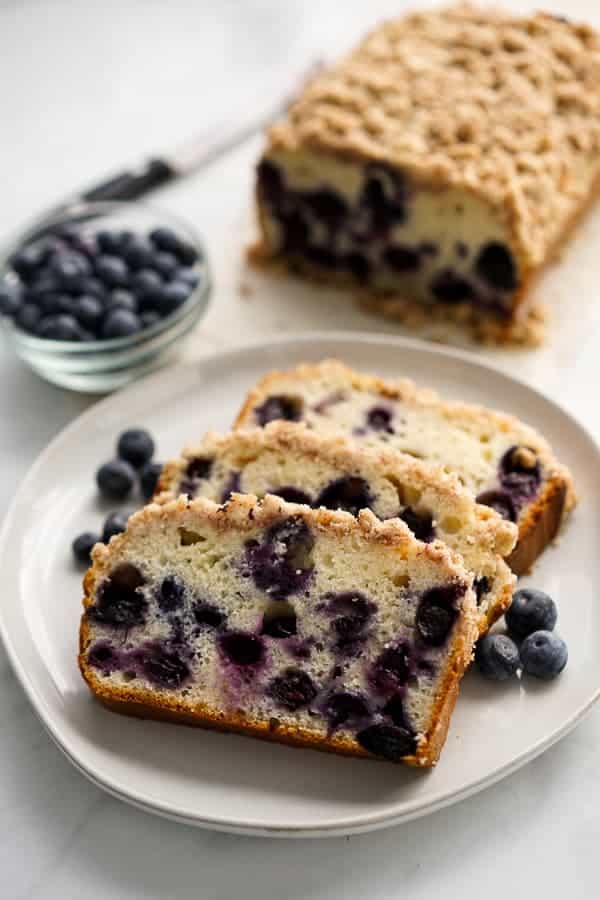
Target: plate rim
351,824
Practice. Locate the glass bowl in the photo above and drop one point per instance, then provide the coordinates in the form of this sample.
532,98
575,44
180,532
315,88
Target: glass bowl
100,366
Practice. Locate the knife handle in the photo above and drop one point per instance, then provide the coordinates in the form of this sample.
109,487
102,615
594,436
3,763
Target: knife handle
131,185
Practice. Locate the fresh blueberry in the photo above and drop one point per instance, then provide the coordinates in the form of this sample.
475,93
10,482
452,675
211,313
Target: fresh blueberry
495,265
136,446
60,327
345,708
28,317
88,311
165,263
349,493
120,323
437,613
93,287
164,668
112,270
497,656
27,261
115,479
170,297
121,298
187,275
115,523
82,546
146,283
120,602
149,318
530,611
149,476
60,303
292,689
171,594
10,300
209,615
279,407
544,655
43,287
165,239
387,741
114,242
421,524
282,564
501,501
241,648
138,253
70,268
283,626
186,253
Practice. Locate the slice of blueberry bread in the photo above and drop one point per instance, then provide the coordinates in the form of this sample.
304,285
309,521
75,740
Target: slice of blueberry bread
443,162
309,627
504,463
301,466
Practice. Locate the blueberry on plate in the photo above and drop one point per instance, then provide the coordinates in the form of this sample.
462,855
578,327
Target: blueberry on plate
112,270
28,317
10,300
120,323
170,297
544,655
88,311
82,546
115,479
149,479
530,611
121,298
497,656
135,446
115,523
59,327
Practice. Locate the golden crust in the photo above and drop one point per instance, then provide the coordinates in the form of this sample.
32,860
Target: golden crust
246,512
505,106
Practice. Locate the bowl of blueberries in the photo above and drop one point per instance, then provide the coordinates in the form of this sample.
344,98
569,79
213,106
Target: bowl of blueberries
101,293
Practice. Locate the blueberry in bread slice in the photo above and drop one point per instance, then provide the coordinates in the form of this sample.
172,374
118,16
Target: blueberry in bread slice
299,465
440,165
309,627
504,463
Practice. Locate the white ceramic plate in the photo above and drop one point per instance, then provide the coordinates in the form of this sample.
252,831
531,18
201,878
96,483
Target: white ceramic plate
235,783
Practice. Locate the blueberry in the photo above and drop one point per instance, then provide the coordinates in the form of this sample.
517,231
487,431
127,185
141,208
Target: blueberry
102,656
115,523
88,311
70,268
282,564
10,300
171,594
187,275
163,667
349,493
328,206
136,446
394,708
82,546
146,284
170,297
358,265
497,656
165,263
209,615
61,303
149,476
345,708
120,602
495,265
27,261
402,259
28,317
292,689
186,253
43,287
112,270
121,298
165,239
520,474
448,287
149,318
270,182
322,256
114,242
283,626
279,407
292,495
501,501
391,670
92,287
120,323
380,419
530,611
138,253
295,231
544,655
421,524
437,613
388,741
60,327
241,648
115,479
197,469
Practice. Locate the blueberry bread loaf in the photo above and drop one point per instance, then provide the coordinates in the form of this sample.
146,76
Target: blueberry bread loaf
503,463
309,627
443,163
301,466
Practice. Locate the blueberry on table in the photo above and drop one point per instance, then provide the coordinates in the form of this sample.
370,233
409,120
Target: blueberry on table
170,297
115,479
120,323
10,300
59,327
530,611
82,546
544,655
135,446
28,317
149,479
497,656
112,270
115,523
121,298
88,311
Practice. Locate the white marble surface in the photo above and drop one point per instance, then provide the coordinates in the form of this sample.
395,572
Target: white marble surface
83,88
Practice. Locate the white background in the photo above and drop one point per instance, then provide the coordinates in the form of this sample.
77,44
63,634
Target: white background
84,88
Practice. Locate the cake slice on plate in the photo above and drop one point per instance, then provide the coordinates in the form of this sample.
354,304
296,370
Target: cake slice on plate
309,627
301,466
502,462
443,163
